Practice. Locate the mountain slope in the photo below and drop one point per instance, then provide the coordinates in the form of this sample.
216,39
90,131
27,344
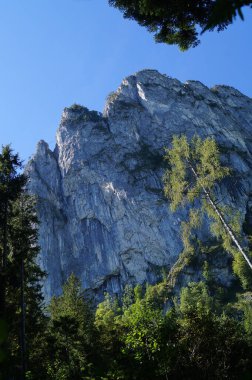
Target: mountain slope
100,202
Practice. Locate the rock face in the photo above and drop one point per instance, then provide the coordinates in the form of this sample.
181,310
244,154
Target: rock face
100,202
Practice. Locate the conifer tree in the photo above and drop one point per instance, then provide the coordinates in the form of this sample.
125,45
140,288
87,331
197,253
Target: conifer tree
24,296
212,345
180,22
194,170
20,275
70,334
11,185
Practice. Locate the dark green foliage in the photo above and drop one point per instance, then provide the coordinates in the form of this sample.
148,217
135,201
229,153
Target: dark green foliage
70,334
3,338
23,249
11,185
212,344
84,114
179,21
11,181
20,275
226,11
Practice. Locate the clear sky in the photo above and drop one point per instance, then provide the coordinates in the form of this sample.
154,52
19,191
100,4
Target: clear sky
54,53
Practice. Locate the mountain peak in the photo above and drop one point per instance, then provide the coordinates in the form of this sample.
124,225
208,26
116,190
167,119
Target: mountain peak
101,206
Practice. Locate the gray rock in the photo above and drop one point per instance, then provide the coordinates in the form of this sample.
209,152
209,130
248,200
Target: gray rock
100,202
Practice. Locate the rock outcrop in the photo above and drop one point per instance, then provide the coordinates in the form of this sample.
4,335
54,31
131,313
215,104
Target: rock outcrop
100,201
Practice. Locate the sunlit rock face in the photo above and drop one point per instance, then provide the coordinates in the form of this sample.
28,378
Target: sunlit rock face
100,201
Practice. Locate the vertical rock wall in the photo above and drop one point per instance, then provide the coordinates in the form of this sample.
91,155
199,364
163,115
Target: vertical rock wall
100,202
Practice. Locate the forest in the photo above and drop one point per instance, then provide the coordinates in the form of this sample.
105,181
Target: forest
200,330
191,324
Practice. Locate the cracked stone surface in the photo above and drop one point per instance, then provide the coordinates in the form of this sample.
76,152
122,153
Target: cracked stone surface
100,202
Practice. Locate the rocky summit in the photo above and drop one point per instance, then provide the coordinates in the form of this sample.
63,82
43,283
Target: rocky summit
101,206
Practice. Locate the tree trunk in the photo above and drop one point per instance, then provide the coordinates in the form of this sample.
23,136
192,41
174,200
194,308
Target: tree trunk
222,219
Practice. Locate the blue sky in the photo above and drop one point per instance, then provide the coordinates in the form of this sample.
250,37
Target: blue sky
54,53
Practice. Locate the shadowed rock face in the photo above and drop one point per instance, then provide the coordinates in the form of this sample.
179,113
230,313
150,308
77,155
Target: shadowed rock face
103,215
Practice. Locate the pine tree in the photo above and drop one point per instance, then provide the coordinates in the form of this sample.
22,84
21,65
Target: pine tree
11,186
21,296
180,22
24,296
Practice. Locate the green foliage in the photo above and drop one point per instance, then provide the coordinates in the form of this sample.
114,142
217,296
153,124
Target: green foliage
146,335
206,272
194,170
242,270
143,324
195,299
202,156
84,114
11,181
195,339
3,338
128,296
20,276
211,344
212,347
244,303
70,333
180,22
226,11
108,325
23,247
188,238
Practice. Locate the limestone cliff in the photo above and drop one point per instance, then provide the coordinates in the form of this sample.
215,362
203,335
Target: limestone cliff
100,202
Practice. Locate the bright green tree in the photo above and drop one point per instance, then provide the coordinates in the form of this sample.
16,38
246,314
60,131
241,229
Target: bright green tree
179,21
148,335
194,170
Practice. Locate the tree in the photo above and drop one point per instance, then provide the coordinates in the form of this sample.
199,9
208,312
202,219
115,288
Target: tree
70,334
109,330
194,170
11,186
244,303
211,345
143,324
178,21
148,335
20,276
24,297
